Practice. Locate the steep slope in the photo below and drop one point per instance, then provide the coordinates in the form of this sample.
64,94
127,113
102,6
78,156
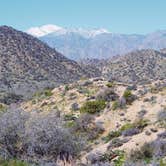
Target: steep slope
137,67
27,64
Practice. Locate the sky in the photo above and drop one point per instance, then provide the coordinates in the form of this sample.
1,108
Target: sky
118,16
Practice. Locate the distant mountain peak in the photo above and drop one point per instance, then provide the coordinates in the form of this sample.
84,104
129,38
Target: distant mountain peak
43,30
57,30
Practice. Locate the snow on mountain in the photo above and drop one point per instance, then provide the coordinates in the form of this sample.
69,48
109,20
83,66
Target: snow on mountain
56,30
43,30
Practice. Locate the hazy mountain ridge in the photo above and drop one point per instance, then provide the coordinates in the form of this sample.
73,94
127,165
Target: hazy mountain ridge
75,44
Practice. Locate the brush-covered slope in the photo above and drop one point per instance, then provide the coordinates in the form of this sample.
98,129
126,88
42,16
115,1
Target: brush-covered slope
139,66
27,64
123,123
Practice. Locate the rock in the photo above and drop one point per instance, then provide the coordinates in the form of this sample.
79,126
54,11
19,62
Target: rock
147,133
153,130
121,114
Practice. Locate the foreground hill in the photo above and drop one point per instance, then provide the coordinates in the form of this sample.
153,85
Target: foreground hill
124,124
27,64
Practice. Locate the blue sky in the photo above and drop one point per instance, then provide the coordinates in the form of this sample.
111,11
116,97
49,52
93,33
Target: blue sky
118,16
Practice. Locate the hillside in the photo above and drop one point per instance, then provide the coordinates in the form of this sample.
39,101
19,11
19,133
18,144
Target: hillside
134,116
137,67
27,64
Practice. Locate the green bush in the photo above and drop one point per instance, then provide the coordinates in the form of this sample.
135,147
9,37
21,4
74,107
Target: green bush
127,94
127,126
67,88
2,108
115,105
93,106
129,97
120,159
110,84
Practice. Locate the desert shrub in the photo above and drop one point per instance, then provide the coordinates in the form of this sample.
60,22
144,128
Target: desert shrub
130,132
127,93
120,159
2,108
110,84
115,105
129,96
93,106
107,94
145,153
46,137
85,125
48,92
36,137
67,88
141,123
12,129
127,129
109,156
161,117
10,98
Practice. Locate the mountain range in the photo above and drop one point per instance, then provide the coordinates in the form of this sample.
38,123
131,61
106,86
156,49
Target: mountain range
28,65
82,43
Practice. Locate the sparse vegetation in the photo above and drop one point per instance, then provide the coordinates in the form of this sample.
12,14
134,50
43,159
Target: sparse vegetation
10,98
127,129
12,163
40,137
129,96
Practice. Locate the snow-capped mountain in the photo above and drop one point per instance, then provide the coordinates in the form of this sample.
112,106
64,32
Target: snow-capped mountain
43,30
82,43
55,30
